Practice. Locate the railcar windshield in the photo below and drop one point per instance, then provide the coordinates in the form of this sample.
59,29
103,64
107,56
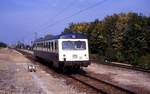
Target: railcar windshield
73,45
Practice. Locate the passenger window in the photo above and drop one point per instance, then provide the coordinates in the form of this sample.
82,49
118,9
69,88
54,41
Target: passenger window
49,45
52,46
43,45
46,45
56,46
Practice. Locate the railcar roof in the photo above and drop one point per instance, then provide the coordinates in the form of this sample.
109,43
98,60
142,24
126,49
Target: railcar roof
62,36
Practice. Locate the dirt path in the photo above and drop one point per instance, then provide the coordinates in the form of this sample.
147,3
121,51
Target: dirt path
15,78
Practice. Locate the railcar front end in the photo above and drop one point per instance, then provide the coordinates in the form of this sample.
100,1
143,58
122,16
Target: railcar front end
74,52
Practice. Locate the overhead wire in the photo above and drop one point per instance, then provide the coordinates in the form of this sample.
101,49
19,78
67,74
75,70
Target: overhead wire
76,13
60,12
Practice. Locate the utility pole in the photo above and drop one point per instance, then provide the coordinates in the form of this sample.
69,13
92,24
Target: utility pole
35,35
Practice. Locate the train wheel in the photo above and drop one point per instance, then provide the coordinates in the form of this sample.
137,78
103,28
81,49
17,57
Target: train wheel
64,69
76,68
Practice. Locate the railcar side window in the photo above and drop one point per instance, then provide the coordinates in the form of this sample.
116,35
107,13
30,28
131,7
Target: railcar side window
46,44
40,44
55,45
52,46
49,45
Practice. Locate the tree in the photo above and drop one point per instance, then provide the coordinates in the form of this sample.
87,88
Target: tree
3,44
120,37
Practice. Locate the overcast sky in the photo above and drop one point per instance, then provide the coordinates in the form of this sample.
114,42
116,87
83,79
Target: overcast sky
20,19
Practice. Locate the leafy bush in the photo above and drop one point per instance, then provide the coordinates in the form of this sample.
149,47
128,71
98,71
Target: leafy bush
2,45
144,61
119,56
97,58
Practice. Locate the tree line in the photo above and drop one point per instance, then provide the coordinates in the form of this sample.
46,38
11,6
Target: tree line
3,45
123,37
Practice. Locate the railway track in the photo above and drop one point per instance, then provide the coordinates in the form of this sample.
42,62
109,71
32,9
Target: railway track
101,86
117,65
47,69
125,66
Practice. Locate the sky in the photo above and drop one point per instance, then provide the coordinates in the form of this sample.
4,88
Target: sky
22,20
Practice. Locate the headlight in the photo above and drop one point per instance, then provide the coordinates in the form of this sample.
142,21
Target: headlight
74,56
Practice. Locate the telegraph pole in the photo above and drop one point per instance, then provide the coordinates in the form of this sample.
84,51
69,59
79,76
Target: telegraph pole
35,35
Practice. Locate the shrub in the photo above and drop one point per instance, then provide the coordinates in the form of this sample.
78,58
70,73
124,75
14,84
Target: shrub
2,45
144,61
